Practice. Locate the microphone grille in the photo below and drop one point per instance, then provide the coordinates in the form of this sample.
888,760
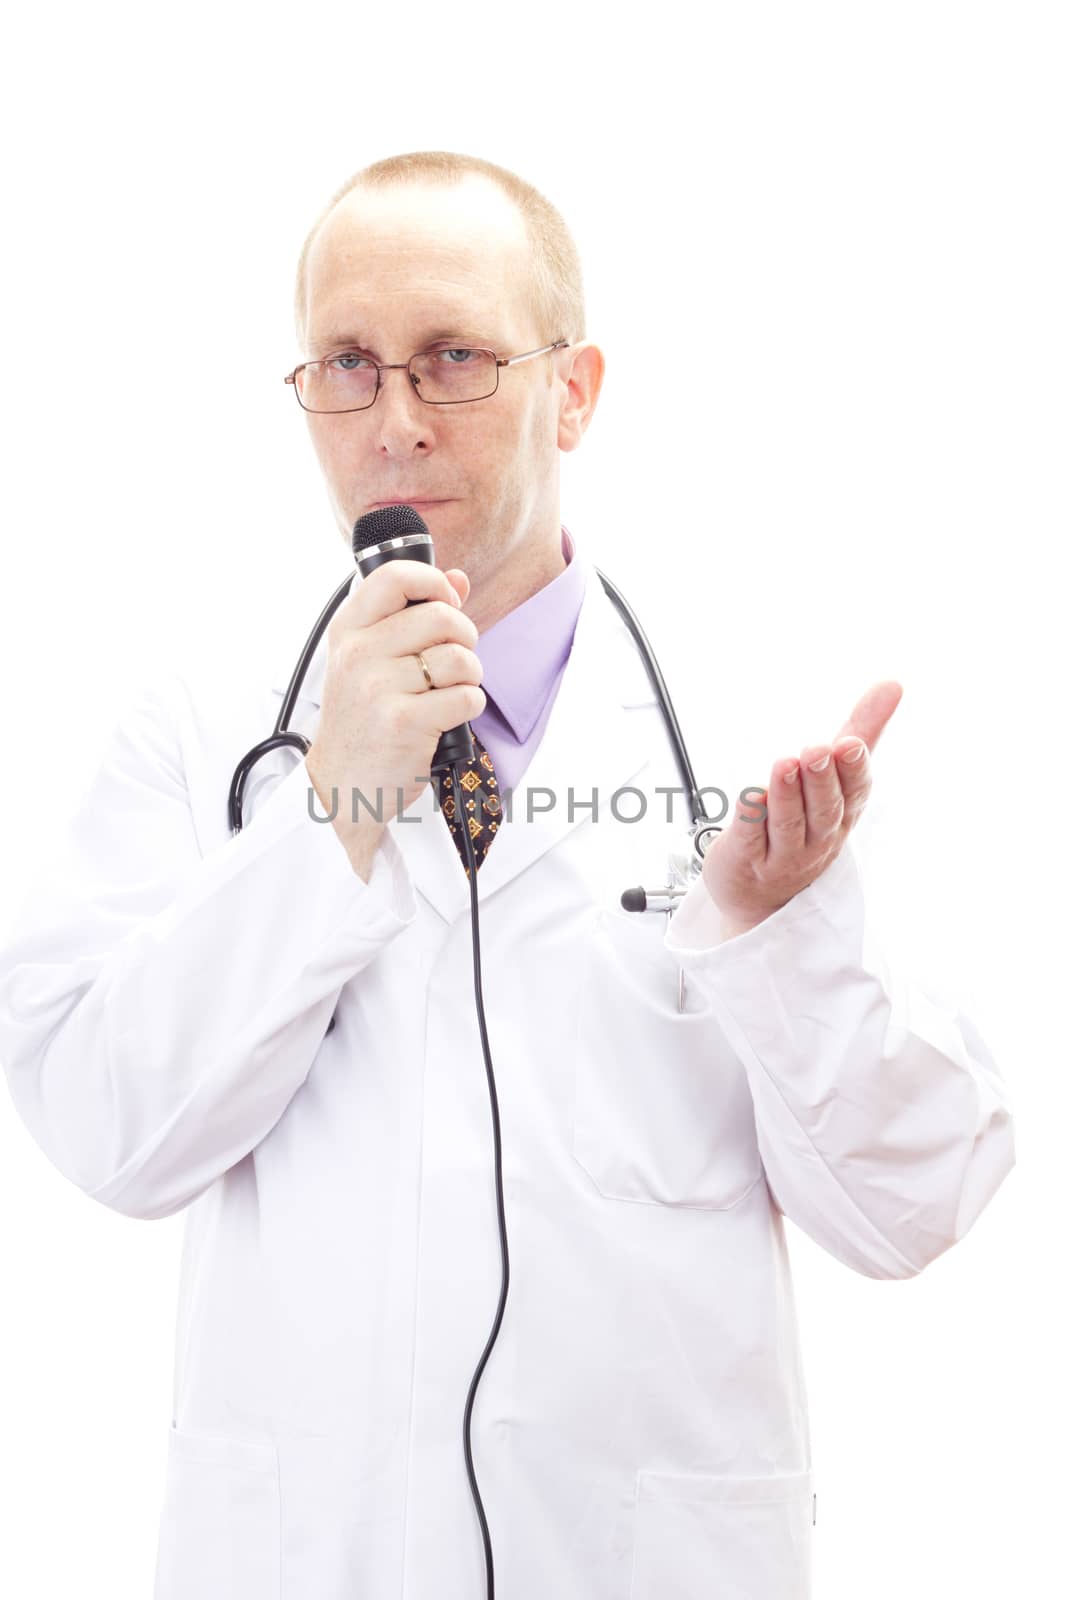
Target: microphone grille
388,522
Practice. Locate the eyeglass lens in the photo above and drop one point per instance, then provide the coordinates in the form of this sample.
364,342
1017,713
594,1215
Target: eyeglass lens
347,382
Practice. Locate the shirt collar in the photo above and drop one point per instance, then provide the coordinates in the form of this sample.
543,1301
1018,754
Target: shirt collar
522,654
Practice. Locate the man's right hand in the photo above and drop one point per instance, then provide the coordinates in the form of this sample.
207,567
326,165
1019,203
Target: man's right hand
379,724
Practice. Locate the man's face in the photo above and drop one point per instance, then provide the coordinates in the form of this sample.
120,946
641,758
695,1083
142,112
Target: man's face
389,270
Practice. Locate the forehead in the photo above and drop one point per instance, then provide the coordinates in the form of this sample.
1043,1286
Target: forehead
403,260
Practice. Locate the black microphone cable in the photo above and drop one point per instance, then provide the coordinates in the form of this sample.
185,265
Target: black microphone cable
456,770
391,533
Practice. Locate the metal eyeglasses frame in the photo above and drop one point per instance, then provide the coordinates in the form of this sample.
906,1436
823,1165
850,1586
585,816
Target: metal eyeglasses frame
405,366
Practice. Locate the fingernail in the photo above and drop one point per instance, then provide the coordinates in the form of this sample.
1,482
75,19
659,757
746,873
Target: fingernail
854,752
791,775
820,765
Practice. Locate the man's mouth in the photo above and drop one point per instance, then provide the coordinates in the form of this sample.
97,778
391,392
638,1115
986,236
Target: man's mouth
405,500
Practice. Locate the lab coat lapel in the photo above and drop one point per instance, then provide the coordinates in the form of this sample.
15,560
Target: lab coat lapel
591,743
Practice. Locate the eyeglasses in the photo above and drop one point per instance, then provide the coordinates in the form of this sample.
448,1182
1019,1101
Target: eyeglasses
349,381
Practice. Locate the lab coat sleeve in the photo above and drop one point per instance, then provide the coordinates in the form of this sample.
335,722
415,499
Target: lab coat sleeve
160,1005
882,1121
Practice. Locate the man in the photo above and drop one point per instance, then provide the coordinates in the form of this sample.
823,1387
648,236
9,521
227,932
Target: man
166,1006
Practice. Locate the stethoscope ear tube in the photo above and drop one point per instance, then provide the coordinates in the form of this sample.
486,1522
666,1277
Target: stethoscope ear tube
246,763
694,799
281,735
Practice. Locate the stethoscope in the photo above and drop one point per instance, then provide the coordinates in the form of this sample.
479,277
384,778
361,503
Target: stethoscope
683,866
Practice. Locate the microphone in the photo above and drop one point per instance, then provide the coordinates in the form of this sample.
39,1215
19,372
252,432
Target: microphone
398,533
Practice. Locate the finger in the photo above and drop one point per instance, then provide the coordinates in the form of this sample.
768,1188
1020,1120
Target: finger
460,582
786,819
824,804
388,589
749,826
419,627
447,664
871,713
442,709
854,775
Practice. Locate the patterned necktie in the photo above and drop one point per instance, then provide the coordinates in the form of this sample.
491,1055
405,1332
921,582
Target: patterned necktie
478,803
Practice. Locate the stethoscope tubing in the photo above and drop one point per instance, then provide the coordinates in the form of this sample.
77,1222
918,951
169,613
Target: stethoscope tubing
282,735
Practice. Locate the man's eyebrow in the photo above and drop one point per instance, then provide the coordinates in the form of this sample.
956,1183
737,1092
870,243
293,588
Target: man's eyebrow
355,341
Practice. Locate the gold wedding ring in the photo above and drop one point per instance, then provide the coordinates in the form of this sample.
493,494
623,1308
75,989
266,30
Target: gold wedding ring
425,670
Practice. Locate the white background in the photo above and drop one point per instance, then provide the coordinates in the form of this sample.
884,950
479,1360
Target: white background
824,255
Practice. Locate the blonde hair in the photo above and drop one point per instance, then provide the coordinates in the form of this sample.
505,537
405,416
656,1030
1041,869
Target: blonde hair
556,290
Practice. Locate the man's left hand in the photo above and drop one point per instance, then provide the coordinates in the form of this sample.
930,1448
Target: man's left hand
755,866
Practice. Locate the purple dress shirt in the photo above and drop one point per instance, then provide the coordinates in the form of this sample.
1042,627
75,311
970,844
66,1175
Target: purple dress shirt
523,657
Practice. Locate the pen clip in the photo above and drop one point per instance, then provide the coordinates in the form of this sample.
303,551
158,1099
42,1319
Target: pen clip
681,970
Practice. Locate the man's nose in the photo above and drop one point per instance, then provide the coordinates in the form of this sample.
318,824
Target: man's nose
402,419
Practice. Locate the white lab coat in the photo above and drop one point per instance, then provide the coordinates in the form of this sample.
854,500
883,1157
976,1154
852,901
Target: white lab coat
640,1431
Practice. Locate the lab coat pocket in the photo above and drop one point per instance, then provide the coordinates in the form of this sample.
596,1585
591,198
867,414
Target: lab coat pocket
732,1537
220,1532
662,1109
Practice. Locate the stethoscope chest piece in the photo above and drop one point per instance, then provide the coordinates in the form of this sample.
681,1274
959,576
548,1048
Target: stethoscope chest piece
684,866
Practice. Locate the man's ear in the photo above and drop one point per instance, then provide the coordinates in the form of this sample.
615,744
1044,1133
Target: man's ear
584,378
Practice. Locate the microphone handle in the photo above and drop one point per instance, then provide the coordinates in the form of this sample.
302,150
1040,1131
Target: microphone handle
455,744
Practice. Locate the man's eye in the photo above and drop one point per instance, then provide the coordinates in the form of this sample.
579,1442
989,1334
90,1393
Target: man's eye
347,363
454,353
